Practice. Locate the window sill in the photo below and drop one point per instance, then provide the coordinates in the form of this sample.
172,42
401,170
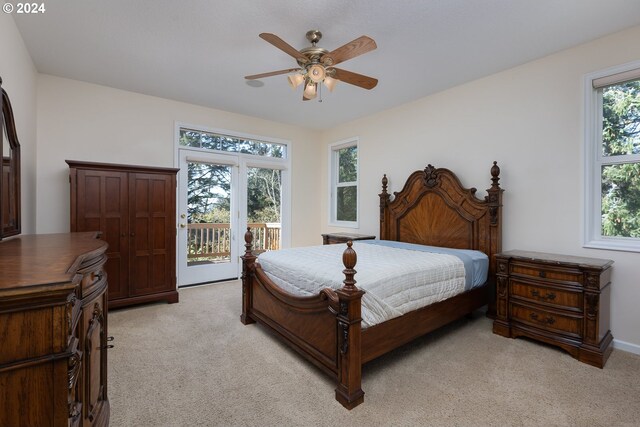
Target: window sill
614,245
345,224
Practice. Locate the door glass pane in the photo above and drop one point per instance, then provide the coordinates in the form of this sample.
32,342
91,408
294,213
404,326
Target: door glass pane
208,213
264,187
347,203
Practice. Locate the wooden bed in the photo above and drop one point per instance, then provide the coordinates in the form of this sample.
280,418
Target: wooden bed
433,208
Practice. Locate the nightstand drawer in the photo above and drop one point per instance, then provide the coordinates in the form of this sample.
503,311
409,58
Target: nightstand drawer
547,320
547,295
546,272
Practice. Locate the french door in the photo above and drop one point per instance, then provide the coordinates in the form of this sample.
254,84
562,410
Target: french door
220,196
207,228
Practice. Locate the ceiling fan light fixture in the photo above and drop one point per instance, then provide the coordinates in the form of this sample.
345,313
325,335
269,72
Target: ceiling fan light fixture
310,90
316,64
295,80
316,73
330,83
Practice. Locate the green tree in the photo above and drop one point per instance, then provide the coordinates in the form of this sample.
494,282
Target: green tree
347,196
209,185
209,192
621,182
263,195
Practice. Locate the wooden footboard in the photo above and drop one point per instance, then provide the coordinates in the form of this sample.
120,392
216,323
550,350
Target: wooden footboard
324,328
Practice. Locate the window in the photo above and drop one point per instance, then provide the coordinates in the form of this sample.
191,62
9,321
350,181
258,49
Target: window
612,159
212,141
343,163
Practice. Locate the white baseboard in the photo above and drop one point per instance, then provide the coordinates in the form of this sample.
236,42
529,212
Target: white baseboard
626,346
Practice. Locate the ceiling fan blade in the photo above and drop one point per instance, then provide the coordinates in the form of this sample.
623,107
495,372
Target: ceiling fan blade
355,79
362,44
283,46
272,73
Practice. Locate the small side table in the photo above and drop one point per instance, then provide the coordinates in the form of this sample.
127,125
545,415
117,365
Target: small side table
332,238
558,299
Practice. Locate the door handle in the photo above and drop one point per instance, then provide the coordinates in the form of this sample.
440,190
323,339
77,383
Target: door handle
183,225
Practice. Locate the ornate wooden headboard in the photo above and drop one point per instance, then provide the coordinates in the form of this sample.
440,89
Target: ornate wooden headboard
433,208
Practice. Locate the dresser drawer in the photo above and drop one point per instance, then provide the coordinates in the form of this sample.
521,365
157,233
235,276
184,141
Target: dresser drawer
547,320
547,295
549,272
93,276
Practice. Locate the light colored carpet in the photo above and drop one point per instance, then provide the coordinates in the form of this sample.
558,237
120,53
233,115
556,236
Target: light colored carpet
194,364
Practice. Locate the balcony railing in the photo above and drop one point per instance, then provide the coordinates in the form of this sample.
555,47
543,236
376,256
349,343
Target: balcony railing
209,242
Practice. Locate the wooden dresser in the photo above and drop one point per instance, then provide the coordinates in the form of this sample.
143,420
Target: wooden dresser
135,209
53,331
561,300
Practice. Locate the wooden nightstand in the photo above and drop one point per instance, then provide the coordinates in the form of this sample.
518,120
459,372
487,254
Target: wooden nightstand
561,300
331,238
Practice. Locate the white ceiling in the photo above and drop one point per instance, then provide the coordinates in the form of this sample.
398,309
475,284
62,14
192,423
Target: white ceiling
198,51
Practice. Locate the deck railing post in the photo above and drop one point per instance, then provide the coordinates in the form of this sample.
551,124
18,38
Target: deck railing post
349,392
248,269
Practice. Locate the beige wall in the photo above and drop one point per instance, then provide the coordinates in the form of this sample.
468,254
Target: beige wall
82,121
19,79
530,120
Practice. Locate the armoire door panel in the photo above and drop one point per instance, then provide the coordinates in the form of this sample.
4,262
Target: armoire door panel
102,205
159,232
158,197
152,193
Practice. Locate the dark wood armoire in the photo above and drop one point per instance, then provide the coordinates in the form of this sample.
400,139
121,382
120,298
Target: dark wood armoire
134,207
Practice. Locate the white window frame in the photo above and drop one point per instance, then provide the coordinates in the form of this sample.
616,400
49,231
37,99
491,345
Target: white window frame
593,162
334,148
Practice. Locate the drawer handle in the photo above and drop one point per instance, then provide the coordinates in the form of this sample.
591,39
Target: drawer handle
99,276
542,274
549,296
549,320
108,346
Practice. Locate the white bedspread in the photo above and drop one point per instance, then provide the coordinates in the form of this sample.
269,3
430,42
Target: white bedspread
396,281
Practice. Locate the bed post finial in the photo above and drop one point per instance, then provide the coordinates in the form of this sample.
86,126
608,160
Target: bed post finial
248,268
248,241
349,392
495,175
349,259
494,199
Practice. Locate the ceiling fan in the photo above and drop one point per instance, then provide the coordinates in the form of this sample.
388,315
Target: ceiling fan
317,65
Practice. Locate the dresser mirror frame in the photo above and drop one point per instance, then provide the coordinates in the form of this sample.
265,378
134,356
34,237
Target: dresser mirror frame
10,213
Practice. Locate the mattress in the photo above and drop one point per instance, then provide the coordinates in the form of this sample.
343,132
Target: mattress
396,279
